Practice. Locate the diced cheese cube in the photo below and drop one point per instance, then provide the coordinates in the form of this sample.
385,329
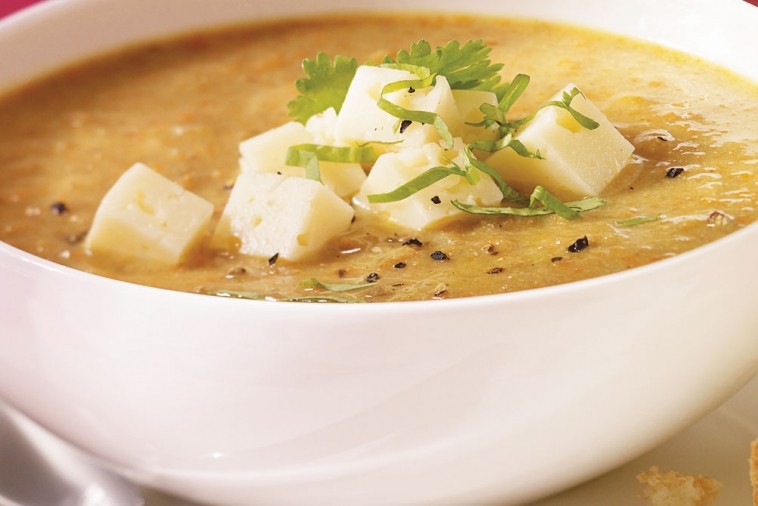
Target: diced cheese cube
146,216
270,214
468,103
267,152
419,210
577,162
321,127
361,121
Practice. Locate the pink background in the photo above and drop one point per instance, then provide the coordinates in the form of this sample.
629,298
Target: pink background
8,6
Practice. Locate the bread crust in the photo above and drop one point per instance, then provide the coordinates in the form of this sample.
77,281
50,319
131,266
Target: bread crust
677,489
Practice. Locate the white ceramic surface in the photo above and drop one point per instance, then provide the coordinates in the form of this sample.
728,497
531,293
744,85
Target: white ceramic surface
492,399
716,446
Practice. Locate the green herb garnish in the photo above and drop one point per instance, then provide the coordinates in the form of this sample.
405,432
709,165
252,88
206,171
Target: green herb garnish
465,67
325,85
639,220
574,207
565,103
308,156
333,287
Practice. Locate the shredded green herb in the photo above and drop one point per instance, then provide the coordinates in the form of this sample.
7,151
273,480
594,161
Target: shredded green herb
575,207
334,287
308,156
639,220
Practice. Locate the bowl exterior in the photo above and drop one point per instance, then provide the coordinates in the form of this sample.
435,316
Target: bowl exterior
503,398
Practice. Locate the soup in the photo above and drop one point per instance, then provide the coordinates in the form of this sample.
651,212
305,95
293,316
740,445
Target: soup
183,106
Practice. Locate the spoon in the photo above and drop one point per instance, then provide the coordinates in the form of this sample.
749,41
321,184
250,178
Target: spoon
36,469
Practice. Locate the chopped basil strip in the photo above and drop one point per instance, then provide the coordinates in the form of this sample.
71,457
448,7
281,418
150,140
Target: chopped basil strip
577,206
416,184
333,287
549,201
308,156
637,221
565,103
404,114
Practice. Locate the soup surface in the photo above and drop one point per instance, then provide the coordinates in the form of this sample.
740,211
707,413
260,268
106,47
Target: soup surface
183,106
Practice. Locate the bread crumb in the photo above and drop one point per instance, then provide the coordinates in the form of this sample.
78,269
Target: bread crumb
677,489
754,470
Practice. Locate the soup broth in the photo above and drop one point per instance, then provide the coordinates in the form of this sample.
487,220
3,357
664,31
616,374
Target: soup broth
182,107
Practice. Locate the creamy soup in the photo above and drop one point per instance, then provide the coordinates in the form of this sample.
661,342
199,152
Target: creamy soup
183,106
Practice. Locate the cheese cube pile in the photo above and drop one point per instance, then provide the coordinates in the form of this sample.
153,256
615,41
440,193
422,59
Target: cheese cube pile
146,216
274,209
267,152
432,204
577,162
272,214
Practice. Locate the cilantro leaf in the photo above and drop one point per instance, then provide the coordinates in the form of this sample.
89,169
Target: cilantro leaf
466,67
325,85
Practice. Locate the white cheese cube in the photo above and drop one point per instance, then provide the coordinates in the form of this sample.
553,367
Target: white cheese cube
577,162
267,152
270,214
146,216
421,209
468,103
321,127
361,121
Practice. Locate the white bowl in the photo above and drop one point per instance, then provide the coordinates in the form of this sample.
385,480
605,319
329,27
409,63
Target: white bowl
500,398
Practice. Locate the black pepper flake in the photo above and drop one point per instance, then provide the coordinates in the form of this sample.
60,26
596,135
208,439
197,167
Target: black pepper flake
273,259
495,270
405,124
491,250
412,242
400,265
674,172
439,255
579,245
411,90
372,278
556,259
341,273
436,199
59,208
662,138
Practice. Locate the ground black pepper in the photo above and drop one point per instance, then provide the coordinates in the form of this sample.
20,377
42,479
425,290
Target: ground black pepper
400,265
578,245
439,255
372,278
674,171
59,208
273,259
405,124
436,199
412,242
